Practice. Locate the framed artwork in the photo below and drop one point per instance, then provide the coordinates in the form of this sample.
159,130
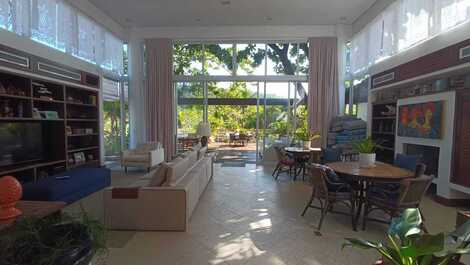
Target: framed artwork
423,120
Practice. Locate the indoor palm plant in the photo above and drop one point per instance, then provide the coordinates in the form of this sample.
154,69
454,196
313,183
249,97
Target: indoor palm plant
306,137
409,245
366,149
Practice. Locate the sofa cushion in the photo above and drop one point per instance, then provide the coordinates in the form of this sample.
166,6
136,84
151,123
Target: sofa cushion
158,177
192,157
176,170
139,183
80,183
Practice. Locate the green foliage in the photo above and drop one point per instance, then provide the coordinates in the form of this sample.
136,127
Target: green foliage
42,241
366,146
112,126
409,245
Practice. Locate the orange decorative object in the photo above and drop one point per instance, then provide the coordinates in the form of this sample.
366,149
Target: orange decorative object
10,192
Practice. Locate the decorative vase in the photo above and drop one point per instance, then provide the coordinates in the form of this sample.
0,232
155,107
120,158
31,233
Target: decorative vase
10,192
366,160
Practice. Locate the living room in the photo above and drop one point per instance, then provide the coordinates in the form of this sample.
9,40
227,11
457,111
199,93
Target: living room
234,132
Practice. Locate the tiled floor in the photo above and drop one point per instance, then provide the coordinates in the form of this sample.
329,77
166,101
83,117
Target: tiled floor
244,217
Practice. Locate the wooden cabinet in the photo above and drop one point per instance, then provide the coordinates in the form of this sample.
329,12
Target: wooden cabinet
461,170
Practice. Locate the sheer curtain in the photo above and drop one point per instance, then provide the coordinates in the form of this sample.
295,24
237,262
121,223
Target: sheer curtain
451,13
402,25
67,35
57,24
44,23
414,20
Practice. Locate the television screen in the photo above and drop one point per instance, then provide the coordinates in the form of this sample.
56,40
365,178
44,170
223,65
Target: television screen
20,142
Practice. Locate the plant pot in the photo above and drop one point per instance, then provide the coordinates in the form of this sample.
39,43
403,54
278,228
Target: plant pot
306,144
367,160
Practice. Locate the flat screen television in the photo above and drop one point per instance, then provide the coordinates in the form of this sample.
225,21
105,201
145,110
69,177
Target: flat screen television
20,142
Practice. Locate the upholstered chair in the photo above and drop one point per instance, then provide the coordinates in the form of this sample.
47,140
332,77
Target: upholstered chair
146,155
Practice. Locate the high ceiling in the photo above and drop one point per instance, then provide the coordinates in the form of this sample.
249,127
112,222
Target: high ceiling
154,13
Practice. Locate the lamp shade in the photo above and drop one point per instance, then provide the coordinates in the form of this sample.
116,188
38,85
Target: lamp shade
204,129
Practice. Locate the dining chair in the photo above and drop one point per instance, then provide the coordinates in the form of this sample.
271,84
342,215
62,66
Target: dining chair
408,162
284,163
329,189
409,195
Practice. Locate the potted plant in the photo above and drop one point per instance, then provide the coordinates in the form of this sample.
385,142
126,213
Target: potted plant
65,240
306,138
366,149
409,245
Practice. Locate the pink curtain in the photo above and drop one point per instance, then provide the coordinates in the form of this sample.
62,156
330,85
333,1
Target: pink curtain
323,102
160,96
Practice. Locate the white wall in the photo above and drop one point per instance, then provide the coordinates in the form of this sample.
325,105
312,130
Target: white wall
445,144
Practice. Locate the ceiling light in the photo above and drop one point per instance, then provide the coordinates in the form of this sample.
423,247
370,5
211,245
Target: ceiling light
225,2
269,18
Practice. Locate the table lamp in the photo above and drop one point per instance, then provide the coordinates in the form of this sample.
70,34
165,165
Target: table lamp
204,130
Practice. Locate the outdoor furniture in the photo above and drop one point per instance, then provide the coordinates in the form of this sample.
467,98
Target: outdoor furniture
239,139
187,142
367,177
409,195
329,189
145,155
284,163
301,157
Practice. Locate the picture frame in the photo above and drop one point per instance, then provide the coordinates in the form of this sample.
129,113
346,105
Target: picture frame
421,120
79,158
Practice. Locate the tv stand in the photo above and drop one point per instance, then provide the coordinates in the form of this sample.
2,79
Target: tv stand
66,107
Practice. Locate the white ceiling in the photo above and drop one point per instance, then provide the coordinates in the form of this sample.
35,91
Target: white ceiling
160,13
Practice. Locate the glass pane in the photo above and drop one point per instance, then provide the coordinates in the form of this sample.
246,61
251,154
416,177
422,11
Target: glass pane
86,40
218,59
190,110
112,118
303,62
282,58
187,59
277,125
251,59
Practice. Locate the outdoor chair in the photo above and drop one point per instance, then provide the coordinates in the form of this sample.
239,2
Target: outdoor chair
393,202
329,189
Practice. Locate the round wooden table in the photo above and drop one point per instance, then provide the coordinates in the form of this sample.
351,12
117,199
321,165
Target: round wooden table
303,155
382,172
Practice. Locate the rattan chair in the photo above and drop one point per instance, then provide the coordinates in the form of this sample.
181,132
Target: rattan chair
284,163
328,192
409,195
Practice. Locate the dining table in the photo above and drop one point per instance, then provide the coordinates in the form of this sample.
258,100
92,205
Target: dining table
364,177
302,156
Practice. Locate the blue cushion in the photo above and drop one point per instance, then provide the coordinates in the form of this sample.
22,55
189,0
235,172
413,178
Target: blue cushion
407,161
331,155
81,183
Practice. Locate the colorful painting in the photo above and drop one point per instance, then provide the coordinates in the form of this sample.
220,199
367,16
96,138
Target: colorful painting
422,120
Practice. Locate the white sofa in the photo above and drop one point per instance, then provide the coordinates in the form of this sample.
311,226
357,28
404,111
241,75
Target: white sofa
146,155
165,207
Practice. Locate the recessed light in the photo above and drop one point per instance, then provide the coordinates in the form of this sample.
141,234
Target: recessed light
343,19
198,20
269,18
225,2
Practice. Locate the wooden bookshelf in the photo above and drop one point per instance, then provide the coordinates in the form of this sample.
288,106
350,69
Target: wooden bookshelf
68,116
384,125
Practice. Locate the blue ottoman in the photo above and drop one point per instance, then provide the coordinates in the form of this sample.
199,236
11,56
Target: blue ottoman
81,183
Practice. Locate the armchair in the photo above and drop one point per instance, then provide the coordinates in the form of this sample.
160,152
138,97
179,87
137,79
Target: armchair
145,155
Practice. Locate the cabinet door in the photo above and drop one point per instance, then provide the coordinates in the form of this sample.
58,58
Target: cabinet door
462,139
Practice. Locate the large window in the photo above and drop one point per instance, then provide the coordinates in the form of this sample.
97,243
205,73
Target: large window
248,88
402,25
58,25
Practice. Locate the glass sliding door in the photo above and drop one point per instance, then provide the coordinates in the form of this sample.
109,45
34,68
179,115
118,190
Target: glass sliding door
112,118
190,112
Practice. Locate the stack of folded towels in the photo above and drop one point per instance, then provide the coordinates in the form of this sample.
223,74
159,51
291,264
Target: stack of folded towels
346,130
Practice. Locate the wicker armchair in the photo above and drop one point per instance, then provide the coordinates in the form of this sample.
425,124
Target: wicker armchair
329,189
284,163
393,202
